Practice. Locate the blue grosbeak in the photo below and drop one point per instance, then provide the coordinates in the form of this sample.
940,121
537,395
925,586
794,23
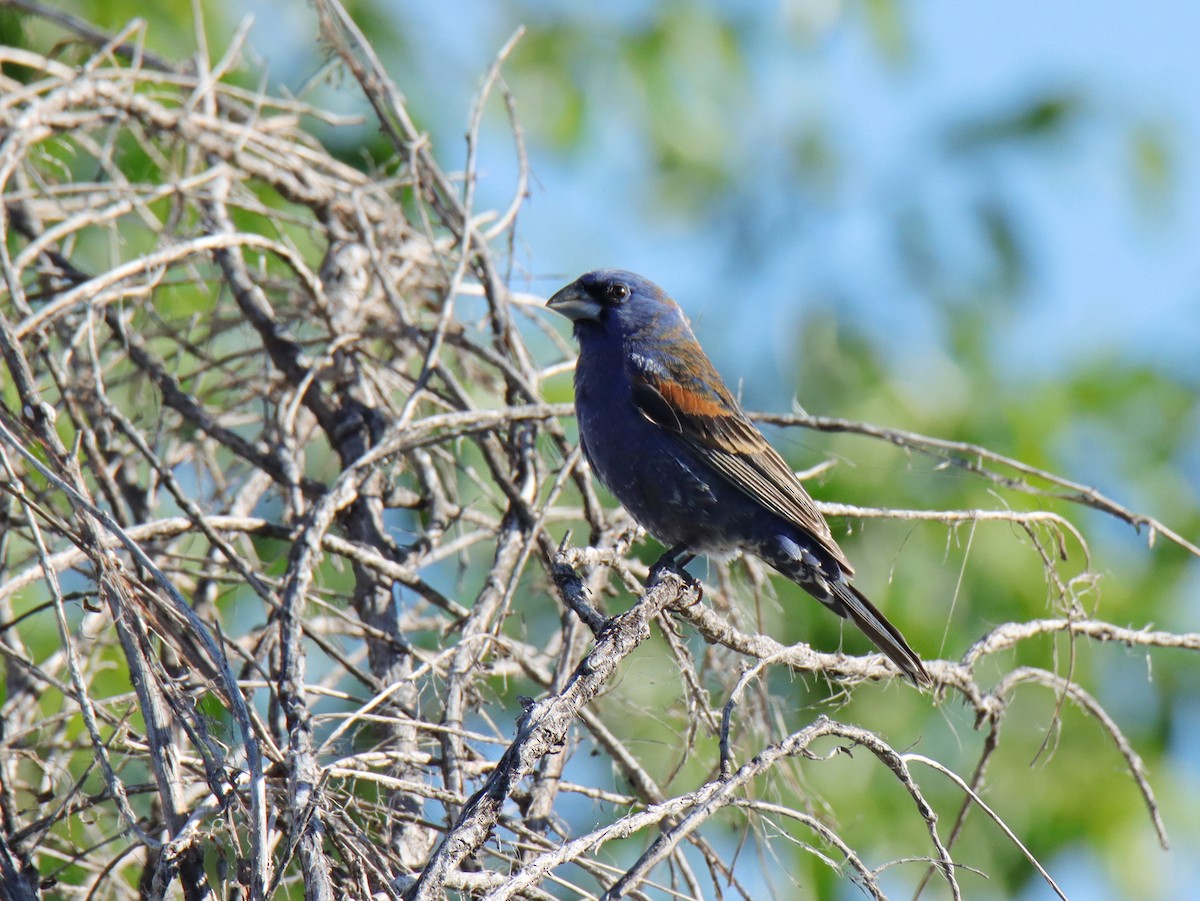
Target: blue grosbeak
663,433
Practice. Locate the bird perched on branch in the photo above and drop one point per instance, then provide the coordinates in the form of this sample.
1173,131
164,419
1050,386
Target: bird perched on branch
663,432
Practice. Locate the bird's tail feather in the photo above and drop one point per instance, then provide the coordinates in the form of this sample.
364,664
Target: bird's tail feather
849,602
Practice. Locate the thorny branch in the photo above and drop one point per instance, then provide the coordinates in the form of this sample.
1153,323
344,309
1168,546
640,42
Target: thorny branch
280,424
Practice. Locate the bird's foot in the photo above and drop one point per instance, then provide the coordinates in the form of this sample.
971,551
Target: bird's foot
675,560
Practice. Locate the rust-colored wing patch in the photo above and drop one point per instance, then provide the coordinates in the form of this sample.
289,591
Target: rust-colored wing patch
709,420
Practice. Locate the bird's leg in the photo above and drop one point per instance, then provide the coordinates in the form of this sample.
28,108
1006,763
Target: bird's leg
675,560
678,556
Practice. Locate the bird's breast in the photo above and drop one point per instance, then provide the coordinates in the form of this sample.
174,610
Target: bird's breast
676,497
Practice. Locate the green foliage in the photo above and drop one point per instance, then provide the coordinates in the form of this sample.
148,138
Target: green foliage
1043,120
887,27
685,70
1154,166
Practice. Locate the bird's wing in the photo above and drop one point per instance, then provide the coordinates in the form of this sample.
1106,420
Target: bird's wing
703,413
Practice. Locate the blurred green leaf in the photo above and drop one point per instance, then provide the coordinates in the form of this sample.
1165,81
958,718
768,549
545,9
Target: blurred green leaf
887,27
1042,120
1153,166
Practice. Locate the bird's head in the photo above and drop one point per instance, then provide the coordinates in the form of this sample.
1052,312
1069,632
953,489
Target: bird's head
617,304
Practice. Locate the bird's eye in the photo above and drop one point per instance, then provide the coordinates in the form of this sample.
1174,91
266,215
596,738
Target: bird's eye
617,292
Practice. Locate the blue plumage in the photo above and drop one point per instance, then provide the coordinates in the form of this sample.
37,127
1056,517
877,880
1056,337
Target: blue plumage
664,434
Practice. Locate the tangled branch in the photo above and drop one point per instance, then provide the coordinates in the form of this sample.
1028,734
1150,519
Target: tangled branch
280,504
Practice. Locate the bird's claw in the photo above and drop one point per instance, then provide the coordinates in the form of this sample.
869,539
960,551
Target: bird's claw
668,563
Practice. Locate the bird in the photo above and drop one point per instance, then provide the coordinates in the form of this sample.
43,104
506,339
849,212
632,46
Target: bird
662,431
